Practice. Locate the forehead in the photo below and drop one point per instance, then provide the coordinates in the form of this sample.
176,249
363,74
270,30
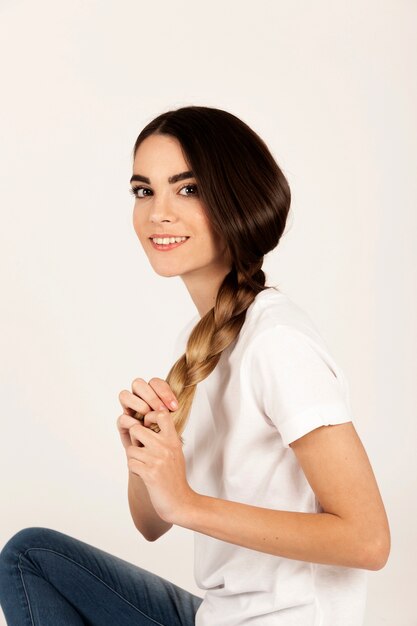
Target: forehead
159,152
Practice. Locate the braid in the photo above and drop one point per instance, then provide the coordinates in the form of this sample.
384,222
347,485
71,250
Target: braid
211,335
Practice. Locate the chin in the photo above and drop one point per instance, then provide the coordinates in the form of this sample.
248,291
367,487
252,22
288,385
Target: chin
166,273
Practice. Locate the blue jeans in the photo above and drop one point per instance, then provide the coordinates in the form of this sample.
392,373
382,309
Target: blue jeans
48,578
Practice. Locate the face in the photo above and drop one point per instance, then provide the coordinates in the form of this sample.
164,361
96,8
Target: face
164,208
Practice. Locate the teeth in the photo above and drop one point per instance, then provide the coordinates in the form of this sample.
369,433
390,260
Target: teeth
167,240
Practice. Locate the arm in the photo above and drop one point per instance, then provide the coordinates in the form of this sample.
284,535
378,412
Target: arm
352,531
144,516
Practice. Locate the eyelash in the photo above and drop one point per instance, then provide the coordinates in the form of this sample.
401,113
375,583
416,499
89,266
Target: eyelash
134,190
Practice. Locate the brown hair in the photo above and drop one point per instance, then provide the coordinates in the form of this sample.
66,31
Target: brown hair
247,200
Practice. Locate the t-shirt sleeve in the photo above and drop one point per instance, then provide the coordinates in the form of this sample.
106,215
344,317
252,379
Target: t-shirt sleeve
296,382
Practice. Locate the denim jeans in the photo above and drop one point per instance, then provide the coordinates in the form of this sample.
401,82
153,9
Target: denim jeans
48,578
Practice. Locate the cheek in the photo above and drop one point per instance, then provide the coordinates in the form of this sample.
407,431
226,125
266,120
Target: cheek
137,223
205,228
214,240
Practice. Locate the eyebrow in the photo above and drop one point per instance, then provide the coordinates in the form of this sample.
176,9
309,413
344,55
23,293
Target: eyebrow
171,179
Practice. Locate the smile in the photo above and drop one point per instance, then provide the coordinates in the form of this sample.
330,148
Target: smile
167,246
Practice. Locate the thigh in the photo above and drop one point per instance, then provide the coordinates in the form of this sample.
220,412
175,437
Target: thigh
103,588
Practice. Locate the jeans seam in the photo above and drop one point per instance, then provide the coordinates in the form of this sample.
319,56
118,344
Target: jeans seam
91,573
24,589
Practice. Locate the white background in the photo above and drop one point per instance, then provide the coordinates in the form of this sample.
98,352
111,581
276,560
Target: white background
331,87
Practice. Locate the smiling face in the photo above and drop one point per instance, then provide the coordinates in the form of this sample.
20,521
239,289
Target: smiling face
169,205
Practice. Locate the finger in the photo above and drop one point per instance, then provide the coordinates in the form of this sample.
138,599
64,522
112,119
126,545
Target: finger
141,435
124,422
165,393
141,388
140,454
164,420
136,457
131,404
152,425
151,417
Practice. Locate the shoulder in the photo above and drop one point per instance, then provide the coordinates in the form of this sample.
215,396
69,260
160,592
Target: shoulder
290,373
286,347
274,318
282,345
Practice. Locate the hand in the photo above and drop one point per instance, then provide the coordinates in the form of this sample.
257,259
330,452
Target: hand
155,395
161,464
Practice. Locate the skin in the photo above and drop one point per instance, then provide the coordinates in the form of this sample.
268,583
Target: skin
202,262
352,530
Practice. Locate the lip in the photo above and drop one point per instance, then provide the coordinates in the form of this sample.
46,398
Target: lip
166,247
161,235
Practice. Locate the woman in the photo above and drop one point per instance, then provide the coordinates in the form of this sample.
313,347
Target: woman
249,441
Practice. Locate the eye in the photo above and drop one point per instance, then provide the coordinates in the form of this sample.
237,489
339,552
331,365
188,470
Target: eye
134,191
194,187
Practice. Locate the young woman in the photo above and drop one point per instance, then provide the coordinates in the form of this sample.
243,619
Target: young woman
249,441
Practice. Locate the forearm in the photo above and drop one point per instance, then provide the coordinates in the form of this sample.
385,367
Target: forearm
144,516
315,537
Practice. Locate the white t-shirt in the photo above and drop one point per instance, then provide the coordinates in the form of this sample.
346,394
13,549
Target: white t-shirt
276,382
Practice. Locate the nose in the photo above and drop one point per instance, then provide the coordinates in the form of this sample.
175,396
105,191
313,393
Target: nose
161,210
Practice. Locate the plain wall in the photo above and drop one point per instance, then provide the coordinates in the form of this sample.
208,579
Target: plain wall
330,86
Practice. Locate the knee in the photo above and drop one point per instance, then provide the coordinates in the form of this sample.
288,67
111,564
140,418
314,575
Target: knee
22,540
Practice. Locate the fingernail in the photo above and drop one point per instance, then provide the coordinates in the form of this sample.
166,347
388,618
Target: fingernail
174,404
